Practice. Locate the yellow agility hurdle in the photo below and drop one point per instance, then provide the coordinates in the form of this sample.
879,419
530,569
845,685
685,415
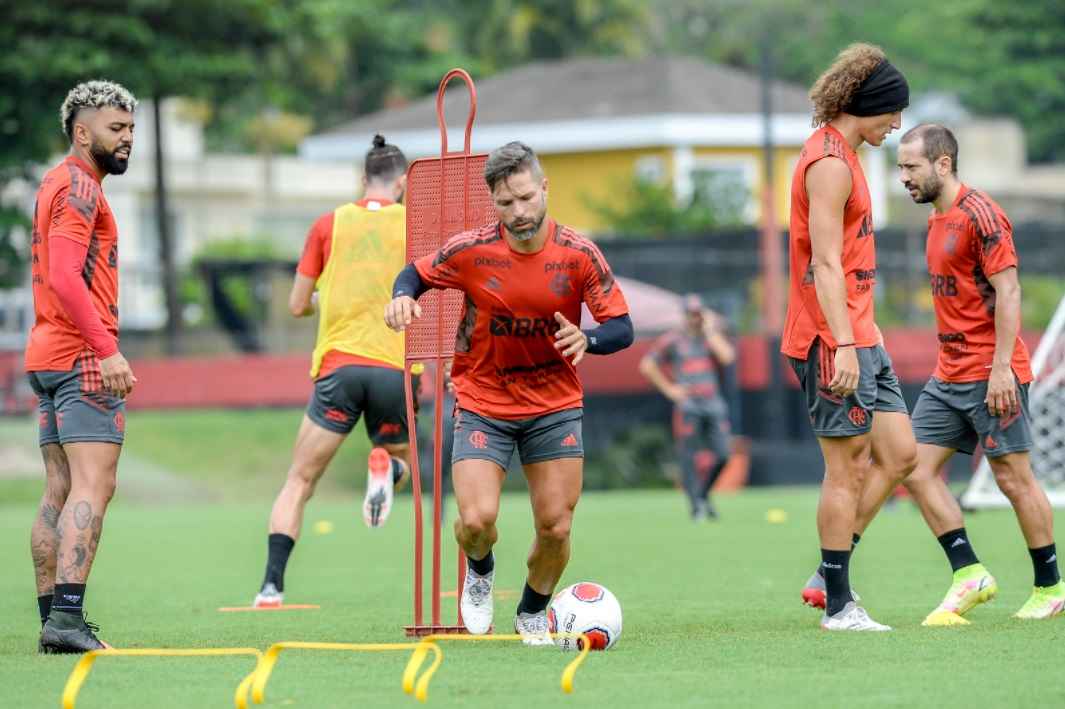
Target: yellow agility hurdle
568,673
81,670
262,672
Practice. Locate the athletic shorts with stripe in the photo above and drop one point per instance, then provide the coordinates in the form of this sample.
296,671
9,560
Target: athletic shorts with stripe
343,396
835,417
548,437
954,415
73,406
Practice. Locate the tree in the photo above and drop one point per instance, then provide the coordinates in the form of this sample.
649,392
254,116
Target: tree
157,48
644,207
1000,58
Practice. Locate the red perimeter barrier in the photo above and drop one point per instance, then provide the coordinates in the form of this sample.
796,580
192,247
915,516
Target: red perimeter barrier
283,380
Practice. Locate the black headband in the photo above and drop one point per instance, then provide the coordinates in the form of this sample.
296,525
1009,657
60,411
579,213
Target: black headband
883,91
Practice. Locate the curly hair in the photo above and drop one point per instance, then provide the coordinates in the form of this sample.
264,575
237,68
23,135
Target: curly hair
93,94
833,90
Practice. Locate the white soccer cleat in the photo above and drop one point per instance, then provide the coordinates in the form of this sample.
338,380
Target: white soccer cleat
378,502
532,627
852,617
477,602
268,597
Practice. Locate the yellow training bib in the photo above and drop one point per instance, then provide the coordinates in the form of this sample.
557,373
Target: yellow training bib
368,249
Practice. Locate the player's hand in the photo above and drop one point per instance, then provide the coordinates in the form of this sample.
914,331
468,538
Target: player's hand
116,375
712,322
845,382
569,339
401,312
1001,396
676,393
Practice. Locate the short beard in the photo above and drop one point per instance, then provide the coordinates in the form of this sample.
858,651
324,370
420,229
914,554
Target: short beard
526,234
111,165
929,191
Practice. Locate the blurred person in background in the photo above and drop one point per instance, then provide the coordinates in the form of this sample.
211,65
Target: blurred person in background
72,359
695,355
979,390
350,257
831,339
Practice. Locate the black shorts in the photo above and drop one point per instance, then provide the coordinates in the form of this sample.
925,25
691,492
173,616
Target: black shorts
835,417
954,415
74,408
340,398
547,437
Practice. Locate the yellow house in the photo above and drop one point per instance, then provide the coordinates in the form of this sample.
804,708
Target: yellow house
597,122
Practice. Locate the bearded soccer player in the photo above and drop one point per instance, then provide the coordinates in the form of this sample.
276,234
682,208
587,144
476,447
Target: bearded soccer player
515,375
351,256
72,357
695,354
979,391
852,395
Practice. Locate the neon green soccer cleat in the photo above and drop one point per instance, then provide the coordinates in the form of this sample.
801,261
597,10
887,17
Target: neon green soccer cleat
1045,602
972,586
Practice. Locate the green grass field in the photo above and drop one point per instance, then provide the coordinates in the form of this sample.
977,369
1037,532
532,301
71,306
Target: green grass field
712,615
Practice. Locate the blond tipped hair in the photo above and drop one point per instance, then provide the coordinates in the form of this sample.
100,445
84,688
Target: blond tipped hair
835,88
93,94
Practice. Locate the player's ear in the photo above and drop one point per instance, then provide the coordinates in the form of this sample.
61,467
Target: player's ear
543,184
82,134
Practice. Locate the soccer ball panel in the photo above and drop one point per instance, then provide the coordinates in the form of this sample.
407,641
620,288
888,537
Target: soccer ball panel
588,608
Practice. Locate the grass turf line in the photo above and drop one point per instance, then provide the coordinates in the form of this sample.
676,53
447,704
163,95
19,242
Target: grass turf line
712,614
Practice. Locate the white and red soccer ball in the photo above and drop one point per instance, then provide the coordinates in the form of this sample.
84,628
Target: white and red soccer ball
587,608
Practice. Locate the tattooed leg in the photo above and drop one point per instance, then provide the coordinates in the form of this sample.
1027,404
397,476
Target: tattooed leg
92,473
44,539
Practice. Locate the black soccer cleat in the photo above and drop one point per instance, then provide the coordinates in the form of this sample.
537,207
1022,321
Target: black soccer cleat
67,634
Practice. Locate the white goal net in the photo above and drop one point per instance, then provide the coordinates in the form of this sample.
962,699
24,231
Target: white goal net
1046,398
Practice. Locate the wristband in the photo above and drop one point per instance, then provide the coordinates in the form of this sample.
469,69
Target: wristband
844,344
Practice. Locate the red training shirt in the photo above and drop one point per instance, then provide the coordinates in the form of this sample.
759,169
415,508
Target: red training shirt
967,244
71,205
506,365
804,320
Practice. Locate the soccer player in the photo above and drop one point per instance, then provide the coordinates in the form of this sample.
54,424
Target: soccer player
979,390
694,355
516,350
72,357
351,256
852,395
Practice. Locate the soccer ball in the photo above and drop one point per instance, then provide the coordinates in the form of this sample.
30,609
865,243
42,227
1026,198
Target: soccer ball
587,608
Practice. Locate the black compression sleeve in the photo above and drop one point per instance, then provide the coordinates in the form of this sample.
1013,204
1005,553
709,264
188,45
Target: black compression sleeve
613,335
409,282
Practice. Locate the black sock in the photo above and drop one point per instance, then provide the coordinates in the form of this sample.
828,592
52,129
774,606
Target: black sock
532,601
837,579
398,468
44,605
855,538
482,567
279,547
959,551
1045,564
68,597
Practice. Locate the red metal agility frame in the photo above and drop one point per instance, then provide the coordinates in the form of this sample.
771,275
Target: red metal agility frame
445,196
